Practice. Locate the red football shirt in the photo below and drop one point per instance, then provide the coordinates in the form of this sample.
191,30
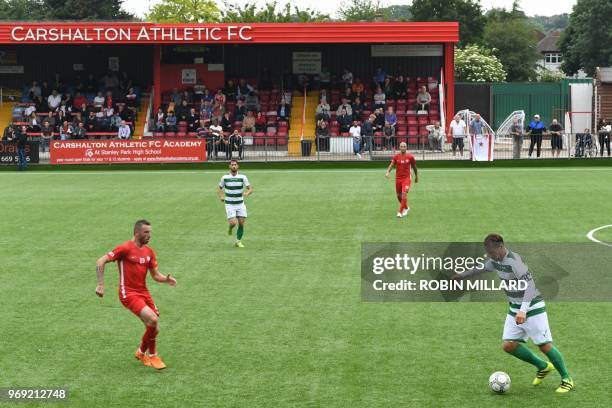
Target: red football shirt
402,164
133,263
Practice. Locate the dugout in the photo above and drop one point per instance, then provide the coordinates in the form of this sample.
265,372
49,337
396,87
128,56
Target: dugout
166,56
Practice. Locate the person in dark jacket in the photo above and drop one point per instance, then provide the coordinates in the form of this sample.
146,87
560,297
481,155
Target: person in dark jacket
367,133
535,130
21,140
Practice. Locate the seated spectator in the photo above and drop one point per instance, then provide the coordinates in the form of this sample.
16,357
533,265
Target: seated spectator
68,101
323,110
33,123
125,82
380,98
358,108
181,111
206,110
60,117
344,120
54,100
391,117
198,91
260,122
202,130
379,77
324,77
81,110
252,102
387,87
91,122
357,86
186,96
66,130
206,96
436,136
230,90
248,123
423,99
220,97
109,102
400,88
244,89
110,80
347,78
235,144
389,134
347,95
284,111
226,122
40,104
160,120
193,120
125,114
115,122
98,101
79,100
79,131
130,98
217,111
346,106
46,134
360,95
175,96
379,120
241,110
124,131
171,122
34,91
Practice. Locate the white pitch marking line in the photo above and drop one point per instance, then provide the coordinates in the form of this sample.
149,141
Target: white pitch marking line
592,232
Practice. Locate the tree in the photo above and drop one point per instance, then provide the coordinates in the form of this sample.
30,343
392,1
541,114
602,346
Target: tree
85,10
360,10
270,13
467,12
397,12
586,43
21,9
184,11
511,37
477,64
547,23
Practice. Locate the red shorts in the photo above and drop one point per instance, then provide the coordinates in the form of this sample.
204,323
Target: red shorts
135,302
402,185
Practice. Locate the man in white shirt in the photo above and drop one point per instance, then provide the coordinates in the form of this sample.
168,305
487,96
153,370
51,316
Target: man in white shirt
54,100
124,131
458,131
355,132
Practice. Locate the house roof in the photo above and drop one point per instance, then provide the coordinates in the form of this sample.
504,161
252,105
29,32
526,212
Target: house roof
549,43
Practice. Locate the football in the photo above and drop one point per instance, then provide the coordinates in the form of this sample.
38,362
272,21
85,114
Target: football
499,382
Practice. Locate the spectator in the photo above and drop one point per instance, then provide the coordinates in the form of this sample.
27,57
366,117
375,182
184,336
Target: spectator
244,89
160,120
110,80
323,110
125,82
389,134
130,98
34,91
477,126
124,131
66,131
171,122
217,111
347,95
79,131
186,96
379,120
345,106
68,102
556,138
379,98
79,100
98,101
400,88
91,122
347,77
355,132
219,139
54,100
260,122
423,99
206,96
9,133
125,114
358,108
367,132
60,117
175,96
535,130
252,102
357,87
241,110
322,134
344,120
45,89
46,134
516,131
391,117
324,78
220,97
21,140
40,104
226,122
388,88
284,111
584,143
115,122
379,77
193,120
435,136
458,132
230,90
206,110
198,91
248,124
34,123
604,129
91,85
235,144
181,111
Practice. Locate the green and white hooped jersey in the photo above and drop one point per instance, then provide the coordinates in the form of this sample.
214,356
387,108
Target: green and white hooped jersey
233,187
510,268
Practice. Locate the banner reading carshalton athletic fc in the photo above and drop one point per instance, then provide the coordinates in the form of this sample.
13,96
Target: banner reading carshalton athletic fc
128,151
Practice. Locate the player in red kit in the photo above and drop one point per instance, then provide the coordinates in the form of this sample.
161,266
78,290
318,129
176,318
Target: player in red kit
403,162
134,258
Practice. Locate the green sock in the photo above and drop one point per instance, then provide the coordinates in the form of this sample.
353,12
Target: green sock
556,358
240,232
522,352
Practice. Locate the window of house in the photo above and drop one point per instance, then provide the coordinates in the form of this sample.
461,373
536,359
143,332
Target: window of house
553,57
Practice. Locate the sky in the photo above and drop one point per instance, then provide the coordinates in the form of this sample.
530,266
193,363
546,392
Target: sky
531,7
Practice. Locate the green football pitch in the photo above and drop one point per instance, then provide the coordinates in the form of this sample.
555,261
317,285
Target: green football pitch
281,322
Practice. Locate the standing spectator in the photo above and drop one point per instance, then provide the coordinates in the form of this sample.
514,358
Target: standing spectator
125,82
423,99
324,78
379,121
219,139
171,122
379,98
284,110
556,139
323,110
355,132
458,132
41,104
244,89
54,100
344,120
367,132
388,88
21,140
45,89
516,130
248,124
206,96
235,144
389,134
322,135
160,120
604,129
79,131
217,111
124,131
46,134
435,136
535,130
477,126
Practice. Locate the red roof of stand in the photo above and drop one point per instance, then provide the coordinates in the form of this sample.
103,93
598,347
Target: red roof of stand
276,33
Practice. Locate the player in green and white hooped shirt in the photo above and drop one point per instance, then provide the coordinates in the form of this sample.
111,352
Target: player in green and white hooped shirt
233,189
526,316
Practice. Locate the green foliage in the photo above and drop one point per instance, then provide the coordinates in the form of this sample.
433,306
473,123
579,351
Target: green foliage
547,23
63,10
398,12
511,37
467,12
547,75
269,13
477,64
587,41
360,10
184,11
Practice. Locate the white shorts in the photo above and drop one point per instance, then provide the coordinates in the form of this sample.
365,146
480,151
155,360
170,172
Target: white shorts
535,327
235,210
